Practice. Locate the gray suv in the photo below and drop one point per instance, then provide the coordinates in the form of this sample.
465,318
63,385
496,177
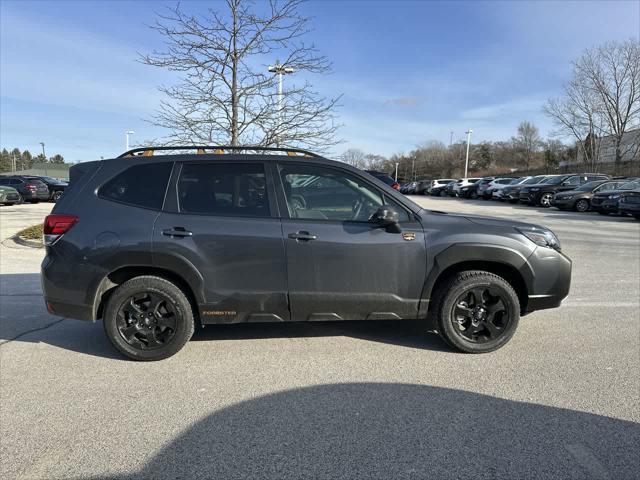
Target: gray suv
156,242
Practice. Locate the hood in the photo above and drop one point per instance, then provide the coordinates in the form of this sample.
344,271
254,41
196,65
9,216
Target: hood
490,221
5,189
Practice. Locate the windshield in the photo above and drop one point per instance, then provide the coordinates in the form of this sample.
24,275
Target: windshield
533,180
553,180
587,187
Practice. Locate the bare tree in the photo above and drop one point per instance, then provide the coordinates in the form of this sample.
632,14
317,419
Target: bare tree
354,157
528,142
225,94
601,99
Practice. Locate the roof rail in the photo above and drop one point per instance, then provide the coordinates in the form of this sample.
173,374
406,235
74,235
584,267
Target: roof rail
217,149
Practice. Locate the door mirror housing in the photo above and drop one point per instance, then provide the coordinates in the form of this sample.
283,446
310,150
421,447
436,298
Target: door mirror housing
388,218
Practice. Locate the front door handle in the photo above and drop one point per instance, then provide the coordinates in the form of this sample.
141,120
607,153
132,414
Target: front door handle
177,232
302,236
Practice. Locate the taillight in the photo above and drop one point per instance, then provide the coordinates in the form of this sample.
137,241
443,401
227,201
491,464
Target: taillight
57,225
30,186
395,186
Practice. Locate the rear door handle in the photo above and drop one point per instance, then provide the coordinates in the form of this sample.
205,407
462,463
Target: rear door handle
302,236
177,232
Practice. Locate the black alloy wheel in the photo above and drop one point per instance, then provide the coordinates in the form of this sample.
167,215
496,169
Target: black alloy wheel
56,195
476,311
480,314
147,320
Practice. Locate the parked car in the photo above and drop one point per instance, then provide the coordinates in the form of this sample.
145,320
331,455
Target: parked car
56,187
385,177
511,193
422,187
450,188
463,182
542,193
30,189
607,202
473,189
231,238
438,186
495,185
9,196
629,203
579,199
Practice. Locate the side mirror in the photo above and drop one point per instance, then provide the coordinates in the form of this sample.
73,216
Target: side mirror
388,218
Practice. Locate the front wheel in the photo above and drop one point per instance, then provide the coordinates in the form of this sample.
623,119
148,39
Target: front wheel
545,200
582,205
476,311
443,193
148,318
56,196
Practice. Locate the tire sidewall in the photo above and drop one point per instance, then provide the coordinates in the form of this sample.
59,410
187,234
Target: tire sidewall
180,303
453,337
581,202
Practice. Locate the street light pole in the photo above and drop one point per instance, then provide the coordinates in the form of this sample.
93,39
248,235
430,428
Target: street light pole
126,134
466,162
281,70
44,159
397,171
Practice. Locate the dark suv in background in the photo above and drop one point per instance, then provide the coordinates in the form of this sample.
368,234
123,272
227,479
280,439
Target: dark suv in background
579,199
31,189
542,193
267,236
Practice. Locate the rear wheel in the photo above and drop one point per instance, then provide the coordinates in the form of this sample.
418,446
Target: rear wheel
582,205
476,311
148,318
56,196
474,195
443,193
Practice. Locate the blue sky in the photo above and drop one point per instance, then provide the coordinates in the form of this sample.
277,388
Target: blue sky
408,71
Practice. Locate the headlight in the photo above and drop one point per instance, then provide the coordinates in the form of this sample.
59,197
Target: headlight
534,189
542,237
614,196
568,197
1,196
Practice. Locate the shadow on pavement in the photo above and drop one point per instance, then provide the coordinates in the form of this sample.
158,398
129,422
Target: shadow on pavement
23,318
397,431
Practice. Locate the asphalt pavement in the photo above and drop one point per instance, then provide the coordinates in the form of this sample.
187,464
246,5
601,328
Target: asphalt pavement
333,400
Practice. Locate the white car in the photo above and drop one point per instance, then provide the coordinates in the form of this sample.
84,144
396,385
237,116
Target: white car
463,182
437,186
493,186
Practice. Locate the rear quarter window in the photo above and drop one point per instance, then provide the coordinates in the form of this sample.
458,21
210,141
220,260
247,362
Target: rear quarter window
140,185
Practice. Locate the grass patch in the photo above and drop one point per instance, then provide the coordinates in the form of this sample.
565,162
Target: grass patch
31,233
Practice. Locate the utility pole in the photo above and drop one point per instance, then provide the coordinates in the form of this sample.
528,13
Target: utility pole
466,163
280,70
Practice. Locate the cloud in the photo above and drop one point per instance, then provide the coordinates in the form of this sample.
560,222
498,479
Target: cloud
404,101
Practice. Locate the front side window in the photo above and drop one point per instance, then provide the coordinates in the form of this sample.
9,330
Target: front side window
141,185
319,193
223,189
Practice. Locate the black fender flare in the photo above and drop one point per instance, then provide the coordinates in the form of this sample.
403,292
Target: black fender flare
477,252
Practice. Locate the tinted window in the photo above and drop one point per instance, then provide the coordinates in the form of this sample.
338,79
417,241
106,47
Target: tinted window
4,181
223,189
140,185
318,193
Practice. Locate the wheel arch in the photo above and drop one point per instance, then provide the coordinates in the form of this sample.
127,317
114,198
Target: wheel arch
120,275
504,262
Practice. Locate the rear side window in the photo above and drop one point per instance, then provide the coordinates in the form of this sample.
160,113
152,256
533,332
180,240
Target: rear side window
232,189
140,185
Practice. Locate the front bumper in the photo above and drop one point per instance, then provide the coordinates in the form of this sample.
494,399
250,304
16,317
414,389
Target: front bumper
551,281
563,203
604,205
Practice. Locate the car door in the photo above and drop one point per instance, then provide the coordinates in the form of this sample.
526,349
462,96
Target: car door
339,265
220,220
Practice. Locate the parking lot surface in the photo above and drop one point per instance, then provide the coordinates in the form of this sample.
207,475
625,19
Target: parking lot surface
333,400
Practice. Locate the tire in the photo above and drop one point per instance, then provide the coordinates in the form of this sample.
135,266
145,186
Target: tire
545,200
474,195
56,195
582,205
443,193
167,340
447,304
636,216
